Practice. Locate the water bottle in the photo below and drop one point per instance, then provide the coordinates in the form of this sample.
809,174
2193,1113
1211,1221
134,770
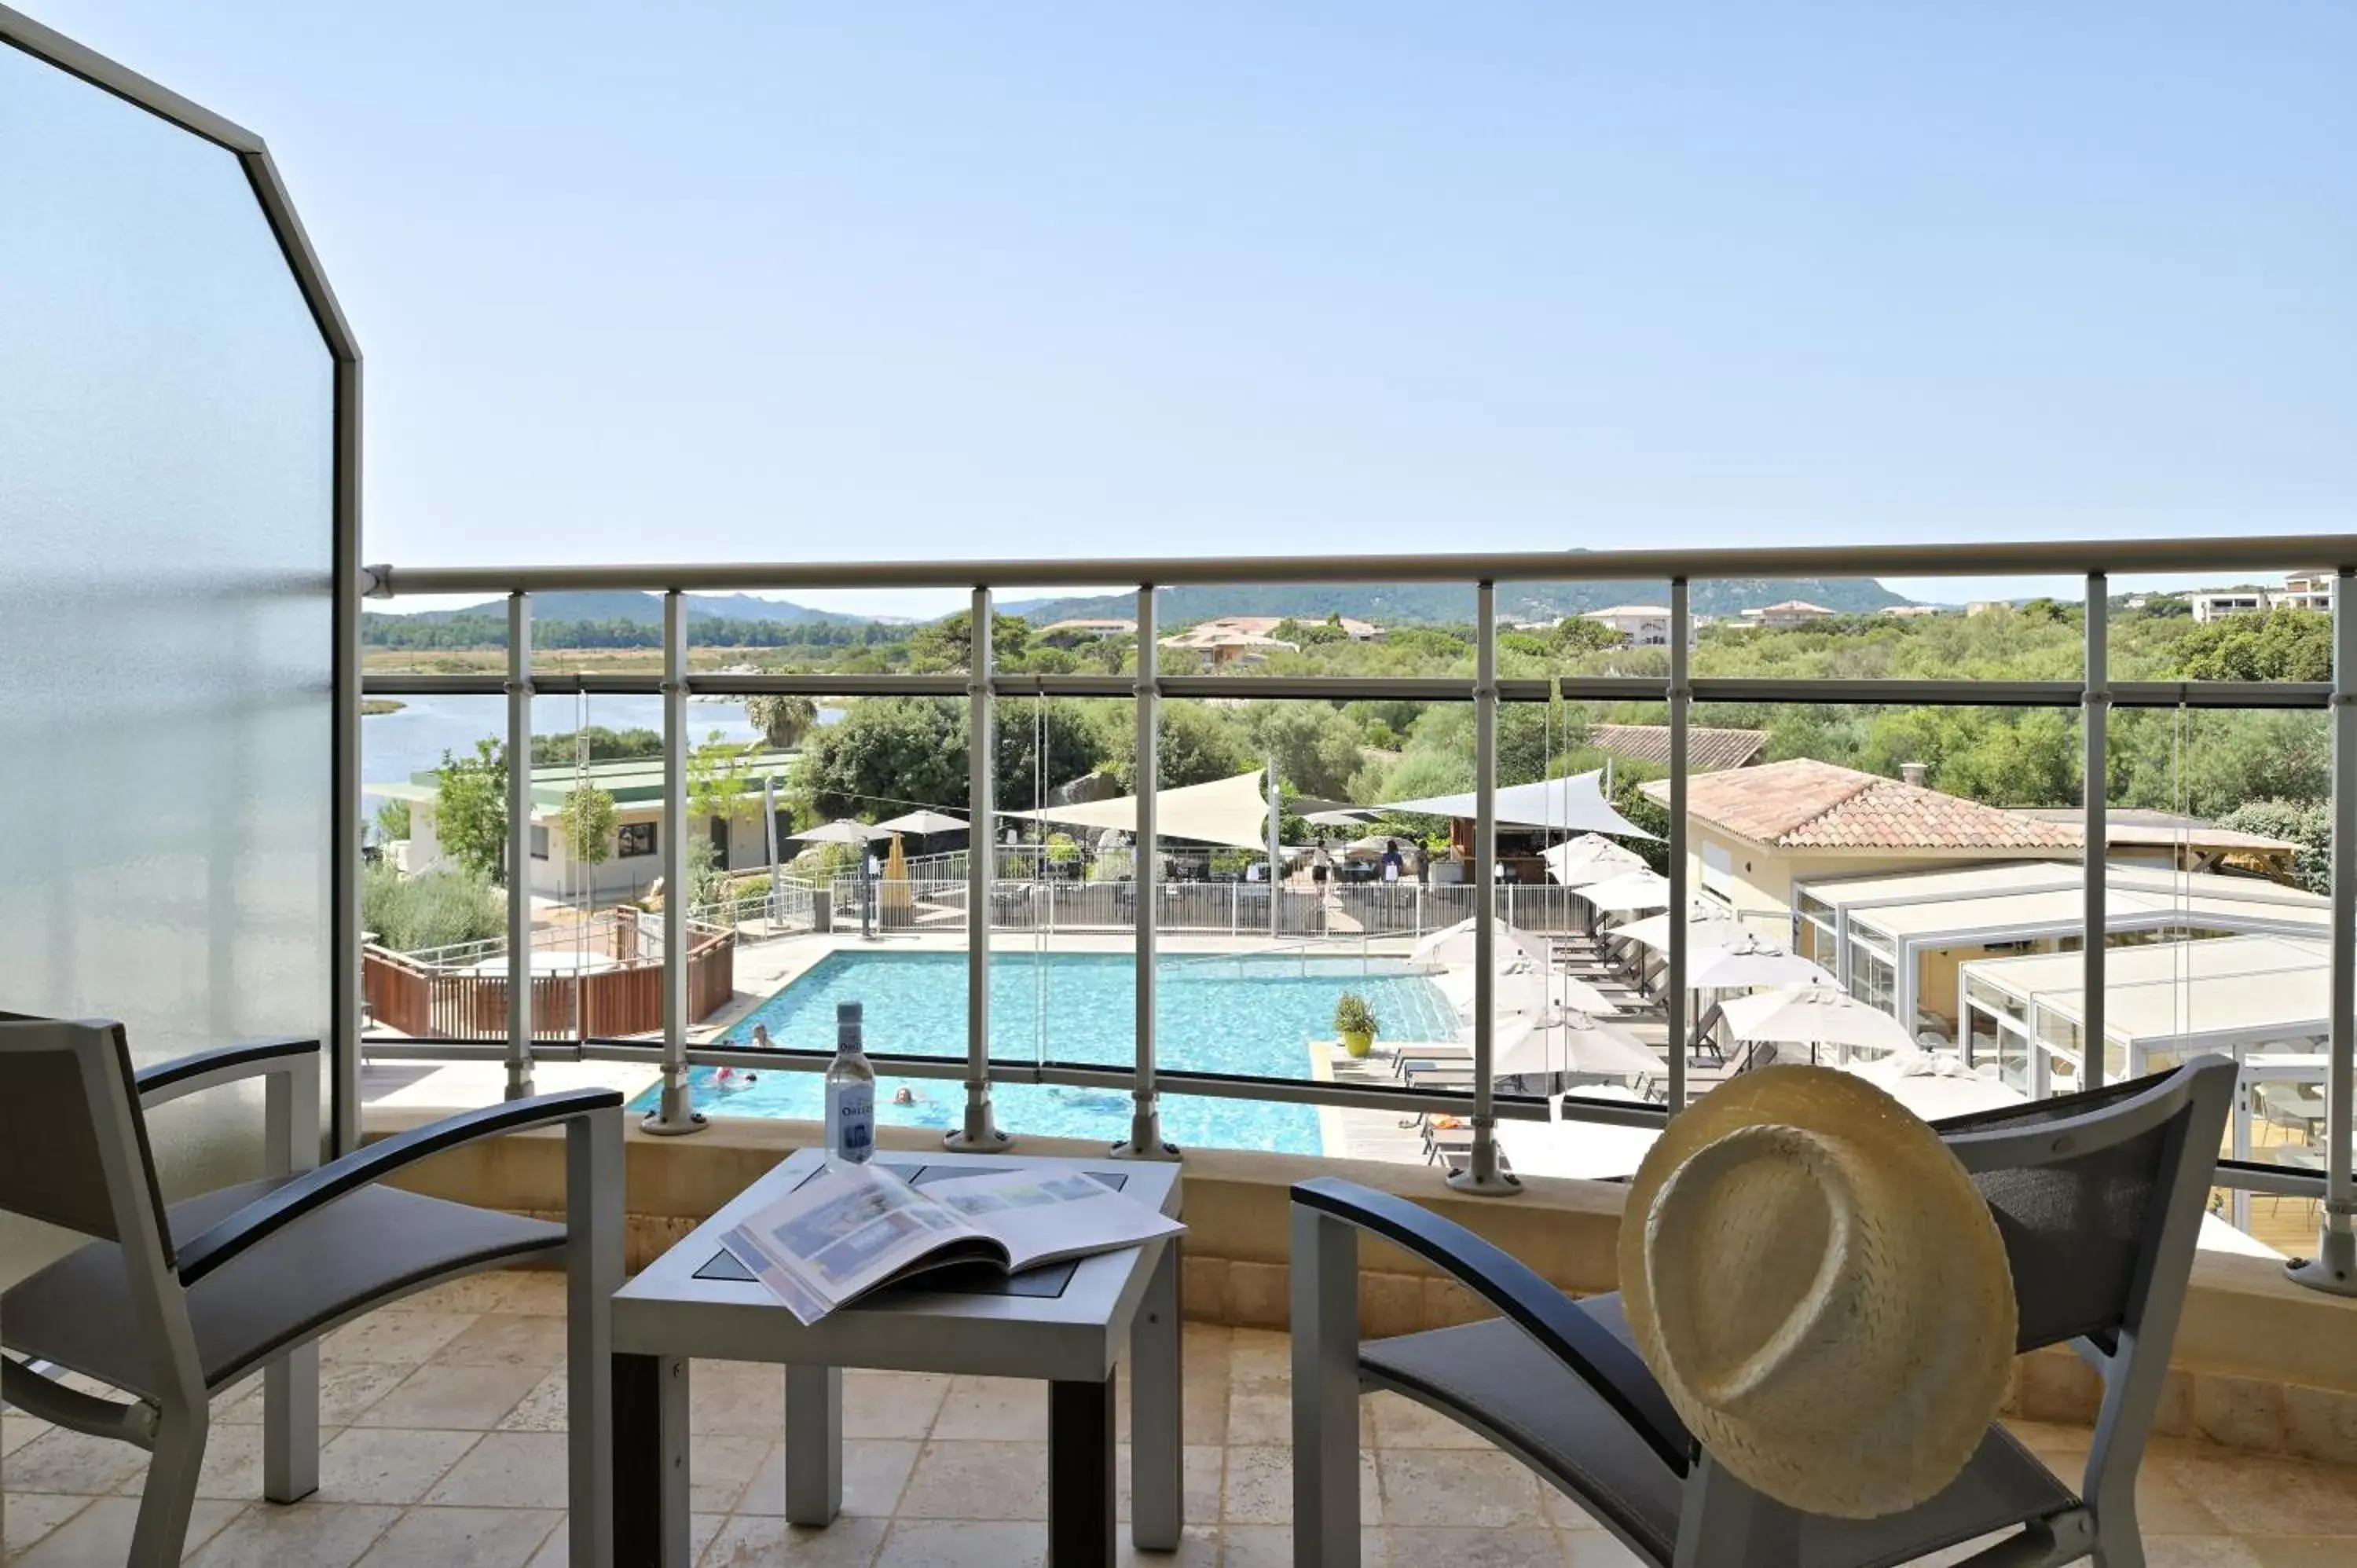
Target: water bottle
850,1091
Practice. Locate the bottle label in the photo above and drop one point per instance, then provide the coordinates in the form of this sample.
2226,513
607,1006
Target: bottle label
851,1120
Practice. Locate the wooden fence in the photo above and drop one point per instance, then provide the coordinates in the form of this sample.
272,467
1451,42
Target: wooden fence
427,1004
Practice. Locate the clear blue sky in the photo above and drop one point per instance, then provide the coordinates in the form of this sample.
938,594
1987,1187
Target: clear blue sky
769,282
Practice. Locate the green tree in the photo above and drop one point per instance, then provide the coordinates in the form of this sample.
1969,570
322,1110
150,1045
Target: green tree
886,751
2282,644
782,718
1315,748
2308,823
588,816
391,820
1577,634
945,643
470,813
434,909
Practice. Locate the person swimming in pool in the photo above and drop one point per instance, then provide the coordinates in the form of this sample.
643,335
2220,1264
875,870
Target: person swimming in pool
904,1095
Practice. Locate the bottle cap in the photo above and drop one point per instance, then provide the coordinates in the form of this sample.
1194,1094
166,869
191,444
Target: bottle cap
847,1024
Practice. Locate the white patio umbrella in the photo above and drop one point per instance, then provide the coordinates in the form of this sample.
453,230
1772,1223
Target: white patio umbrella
1747,963
1454,944
923,822
842,830
1707,926
1813,1015
1562,1040
1583,1151
1591,857
1632,891
1933,1084
1527,989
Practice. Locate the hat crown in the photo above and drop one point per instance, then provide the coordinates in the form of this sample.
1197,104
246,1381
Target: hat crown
1777,1207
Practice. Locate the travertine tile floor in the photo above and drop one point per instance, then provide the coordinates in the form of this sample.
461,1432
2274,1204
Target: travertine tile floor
443,1448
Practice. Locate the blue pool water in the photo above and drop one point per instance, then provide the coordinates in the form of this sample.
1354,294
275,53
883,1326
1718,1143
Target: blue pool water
1245,1014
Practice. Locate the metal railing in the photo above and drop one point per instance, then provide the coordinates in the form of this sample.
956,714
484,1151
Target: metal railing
2095,694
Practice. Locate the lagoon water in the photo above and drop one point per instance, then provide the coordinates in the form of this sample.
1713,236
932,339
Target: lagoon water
395,746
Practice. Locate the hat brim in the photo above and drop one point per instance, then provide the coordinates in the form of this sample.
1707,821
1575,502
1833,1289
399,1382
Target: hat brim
1974,1302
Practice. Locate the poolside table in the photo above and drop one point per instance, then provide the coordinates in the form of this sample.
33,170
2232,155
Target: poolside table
1064,1324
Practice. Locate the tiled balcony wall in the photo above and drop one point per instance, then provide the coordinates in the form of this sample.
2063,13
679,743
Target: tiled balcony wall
443,1449
2261,1364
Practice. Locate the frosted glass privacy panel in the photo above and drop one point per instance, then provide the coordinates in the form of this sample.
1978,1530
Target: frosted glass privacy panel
166,565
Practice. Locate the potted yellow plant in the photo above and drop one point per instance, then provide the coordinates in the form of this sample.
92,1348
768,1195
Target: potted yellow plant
1354,1021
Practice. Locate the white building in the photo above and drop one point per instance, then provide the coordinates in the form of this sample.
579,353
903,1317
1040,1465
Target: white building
1792,612
2302,591
1638,626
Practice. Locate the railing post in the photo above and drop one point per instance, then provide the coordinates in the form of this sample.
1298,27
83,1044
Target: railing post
677,1113
2096,707
1146,1141
519,692
1674,980
979,1134
2334,1268
1481,1172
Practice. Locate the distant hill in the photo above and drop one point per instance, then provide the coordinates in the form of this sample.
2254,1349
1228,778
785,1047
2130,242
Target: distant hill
646,609
1425,603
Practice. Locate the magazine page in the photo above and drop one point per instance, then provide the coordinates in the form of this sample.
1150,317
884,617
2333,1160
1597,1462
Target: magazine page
844,1232
1044,1214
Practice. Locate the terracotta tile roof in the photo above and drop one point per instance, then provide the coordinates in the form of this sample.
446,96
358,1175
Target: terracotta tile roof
1707,750
1807,804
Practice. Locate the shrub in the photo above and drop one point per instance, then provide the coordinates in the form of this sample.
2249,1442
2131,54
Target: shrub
433,909
1353,1016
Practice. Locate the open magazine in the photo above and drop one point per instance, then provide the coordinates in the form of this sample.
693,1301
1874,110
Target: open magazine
853,1229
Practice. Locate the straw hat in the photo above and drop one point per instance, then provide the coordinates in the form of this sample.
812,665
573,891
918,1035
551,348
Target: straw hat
1821,1290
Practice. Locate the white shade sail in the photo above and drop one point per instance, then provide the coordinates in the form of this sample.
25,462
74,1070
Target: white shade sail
1567,1041
1574,804
1814,1014
1233,811
1707,926
1591,857
1748,962
1637,890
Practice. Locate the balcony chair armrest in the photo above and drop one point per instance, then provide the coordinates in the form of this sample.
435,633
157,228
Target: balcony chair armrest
1592,1351
167,1081
316,1189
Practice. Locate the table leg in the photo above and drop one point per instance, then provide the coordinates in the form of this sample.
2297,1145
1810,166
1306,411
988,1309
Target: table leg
1080,1474
813,1444
1158,1471
651,1524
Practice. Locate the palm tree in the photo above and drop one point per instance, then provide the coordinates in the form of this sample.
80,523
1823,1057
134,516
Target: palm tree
782,718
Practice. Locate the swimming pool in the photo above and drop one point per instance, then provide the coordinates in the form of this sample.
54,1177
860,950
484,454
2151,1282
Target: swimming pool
1237,1014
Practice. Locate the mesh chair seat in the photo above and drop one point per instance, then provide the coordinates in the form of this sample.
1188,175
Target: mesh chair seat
1495,1379
359,1252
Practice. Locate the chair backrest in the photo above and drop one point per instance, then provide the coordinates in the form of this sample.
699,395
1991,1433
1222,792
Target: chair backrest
73,1147
2099,1194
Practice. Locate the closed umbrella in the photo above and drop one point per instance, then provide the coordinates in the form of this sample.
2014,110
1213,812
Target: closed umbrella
1813,1015
1565,1041
1749,963
1624,893
893,896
